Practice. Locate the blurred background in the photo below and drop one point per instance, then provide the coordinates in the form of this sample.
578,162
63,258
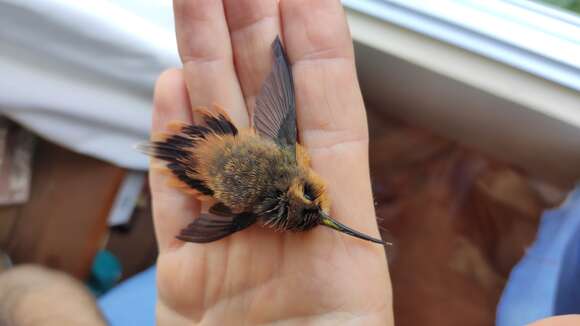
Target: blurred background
474,113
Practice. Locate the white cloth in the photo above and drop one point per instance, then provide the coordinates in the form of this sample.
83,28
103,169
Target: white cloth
81,73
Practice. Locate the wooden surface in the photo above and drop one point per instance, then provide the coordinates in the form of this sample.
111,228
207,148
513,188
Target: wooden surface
459,220
135,245
64,222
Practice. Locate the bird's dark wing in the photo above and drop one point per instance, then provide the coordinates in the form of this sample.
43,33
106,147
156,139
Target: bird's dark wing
208,228
177,149
275,112
221,210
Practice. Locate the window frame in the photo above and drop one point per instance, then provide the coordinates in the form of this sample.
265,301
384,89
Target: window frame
544,41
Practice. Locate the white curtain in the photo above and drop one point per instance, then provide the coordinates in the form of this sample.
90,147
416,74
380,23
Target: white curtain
81,73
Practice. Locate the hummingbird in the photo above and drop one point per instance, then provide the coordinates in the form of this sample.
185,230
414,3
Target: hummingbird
256,175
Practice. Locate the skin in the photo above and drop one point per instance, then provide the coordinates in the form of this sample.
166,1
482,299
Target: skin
27,298
566,320
257,276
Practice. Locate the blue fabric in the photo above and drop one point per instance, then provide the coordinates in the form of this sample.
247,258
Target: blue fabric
546,282
132,302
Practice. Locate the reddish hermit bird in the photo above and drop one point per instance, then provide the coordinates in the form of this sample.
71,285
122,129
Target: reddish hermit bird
256,175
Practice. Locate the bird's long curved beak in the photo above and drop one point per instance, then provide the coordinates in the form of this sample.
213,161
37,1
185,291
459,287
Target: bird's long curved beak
334,224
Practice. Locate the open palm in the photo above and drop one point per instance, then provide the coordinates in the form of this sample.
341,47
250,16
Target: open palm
257,276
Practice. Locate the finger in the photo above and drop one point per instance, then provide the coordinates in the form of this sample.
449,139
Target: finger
320,48
172,210
331,115
253,27
204,46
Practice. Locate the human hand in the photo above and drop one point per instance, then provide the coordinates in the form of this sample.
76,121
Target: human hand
34,295
257,276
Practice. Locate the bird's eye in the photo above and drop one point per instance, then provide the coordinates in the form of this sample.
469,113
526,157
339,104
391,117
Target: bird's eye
309,192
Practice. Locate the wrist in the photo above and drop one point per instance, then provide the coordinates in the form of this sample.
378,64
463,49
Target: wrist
219,316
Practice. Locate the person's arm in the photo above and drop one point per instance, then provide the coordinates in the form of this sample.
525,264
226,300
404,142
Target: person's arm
566,320
258,276
33,295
